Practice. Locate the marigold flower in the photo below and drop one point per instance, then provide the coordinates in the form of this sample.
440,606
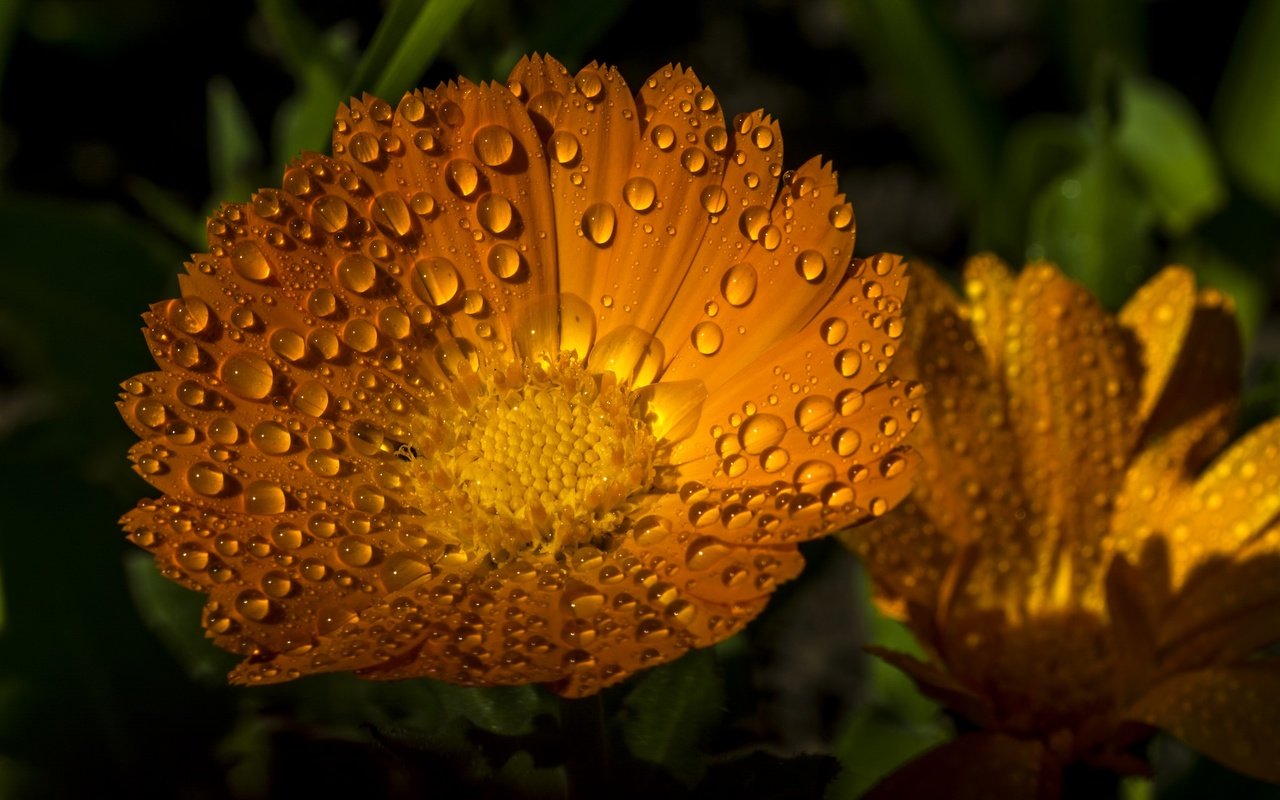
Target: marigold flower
528,383
1075,571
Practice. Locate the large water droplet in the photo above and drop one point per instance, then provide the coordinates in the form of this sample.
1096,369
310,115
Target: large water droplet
739,284
248,376
504,260
272,438
664,137
253,605
494,145
640,193
390,213
205,478
707,337
811,265
598,223
312,398
402,570
564,147
248,260
264,497
705,552
815,413
364,147
463,177
714,199
435,280
357,273
495,213
760,432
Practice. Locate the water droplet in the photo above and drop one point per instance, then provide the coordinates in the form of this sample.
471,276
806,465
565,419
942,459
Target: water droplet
253,605
815,413
286,537
364,147
311,398
402,570
664,137
323,463
322,302
693,160
762,137
841,217
354,551
845,442
811,265
272,438
714,199
707,337
223,430
564,147
248,260
494,145
888,425
760,432
495,213
848,362
189,315
389,211
423,204
297,182
834,330
739,284
205,478
770,237
360,335
893,465
330,213
598,223
753,221
589,83
463,177
264,497
651,530
357,273
436,280
248,376
705,552
504,260
640,193
774,459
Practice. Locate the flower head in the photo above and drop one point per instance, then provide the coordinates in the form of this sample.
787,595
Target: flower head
1075,570
537,382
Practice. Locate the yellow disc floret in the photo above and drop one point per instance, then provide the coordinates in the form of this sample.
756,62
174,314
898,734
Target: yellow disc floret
547,460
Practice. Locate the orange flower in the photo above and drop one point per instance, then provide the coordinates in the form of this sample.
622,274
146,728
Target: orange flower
536,382
1075,571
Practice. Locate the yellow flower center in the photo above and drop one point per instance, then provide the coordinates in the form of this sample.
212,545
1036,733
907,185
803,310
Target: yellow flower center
543,457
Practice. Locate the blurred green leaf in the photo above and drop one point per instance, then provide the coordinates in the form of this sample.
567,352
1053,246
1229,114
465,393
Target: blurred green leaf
952,120
235,152
1037,150
668,712
1216,269
173,613
1137,788
506,710
1094,224
1097,37
548,33
1247,108
895,724
169,212
404,45
1163,140
320,64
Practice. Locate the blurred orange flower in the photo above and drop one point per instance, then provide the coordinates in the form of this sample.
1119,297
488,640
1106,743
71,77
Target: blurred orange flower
1073,568
537,382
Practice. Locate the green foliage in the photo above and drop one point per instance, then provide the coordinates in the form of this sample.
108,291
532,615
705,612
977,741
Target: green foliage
669,712
408,39
1247,112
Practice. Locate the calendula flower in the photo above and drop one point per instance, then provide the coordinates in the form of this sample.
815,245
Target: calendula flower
1076,568
539,382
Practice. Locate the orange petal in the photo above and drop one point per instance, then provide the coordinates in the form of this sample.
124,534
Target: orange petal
976,766
1159,315
989,287
1227,713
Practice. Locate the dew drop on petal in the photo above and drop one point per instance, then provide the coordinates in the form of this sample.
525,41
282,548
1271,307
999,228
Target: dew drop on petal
598,223
435,280
206,479
357,273
707,337
494,145
564,147
263,497
640,193
504,260
811,265
760,432
495,213
248,260
248,376
815,413
739,284
463,177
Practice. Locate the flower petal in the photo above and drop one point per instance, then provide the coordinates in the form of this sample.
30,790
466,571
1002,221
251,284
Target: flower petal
1159,316
1227,713
974,766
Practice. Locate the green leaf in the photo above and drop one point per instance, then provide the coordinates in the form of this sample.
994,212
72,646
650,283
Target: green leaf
1162,139
1247,107
235,153
1094,224
1097,37
952,120
548,33
405,44
1037,150
896,723
173,613
506,710
664,718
